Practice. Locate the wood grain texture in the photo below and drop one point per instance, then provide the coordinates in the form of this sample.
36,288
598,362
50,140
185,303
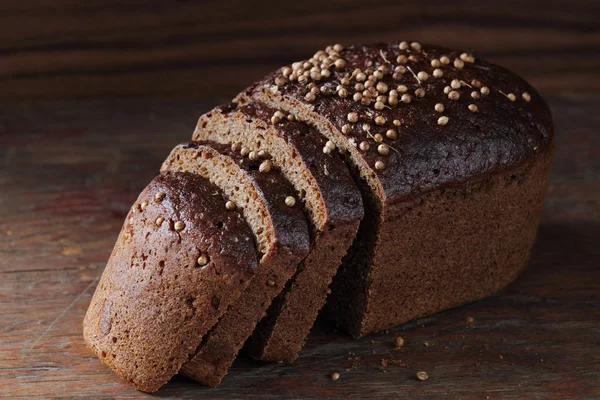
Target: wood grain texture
69,172
72,49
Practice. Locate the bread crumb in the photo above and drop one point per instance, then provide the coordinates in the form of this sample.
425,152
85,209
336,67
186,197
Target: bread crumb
335,376
422,375
399,342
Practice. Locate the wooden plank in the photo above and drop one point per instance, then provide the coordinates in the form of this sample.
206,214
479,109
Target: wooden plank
69,171
72,49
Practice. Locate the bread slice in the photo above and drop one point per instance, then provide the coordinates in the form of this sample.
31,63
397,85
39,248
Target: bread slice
330,198
412,119
267,202
180,260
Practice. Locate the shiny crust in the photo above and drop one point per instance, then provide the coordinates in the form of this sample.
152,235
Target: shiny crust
426,155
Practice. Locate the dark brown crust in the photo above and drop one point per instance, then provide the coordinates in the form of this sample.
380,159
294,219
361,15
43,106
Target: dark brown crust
500,136
220,347
462,243
154,303
428,155
281,335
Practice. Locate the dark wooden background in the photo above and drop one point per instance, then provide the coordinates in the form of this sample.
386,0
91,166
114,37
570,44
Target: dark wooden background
93,96
212,49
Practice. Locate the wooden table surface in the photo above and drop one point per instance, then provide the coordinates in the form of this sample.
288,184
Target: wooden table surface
69,172
52,49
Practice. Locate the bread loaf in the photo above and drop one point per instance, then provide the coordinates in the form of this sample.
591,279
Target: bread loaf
267,202
442,157
181,258
418,122
332,202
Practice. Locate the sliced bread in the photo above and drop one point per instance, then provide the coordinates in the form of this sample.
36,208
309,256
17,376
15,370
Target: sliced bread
329,196
268,203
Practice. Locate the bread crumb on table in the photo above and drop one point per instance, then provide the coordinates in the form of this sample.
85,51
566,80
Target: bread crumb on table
398,342
422,375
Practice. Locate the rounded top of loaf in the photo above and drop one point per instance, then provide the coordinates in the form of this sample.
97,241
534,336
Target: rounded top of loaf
416,116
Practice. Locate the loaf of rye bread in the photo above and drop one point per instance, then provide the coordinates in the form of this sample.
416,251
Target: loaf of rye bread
268,203
180,260
332,201
452,155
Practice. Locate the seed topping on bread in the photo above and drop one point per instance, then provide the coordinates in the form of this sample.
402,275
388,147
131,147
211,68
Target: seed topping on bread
203,260
179,226
159,196
265,166
395,77
290,201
